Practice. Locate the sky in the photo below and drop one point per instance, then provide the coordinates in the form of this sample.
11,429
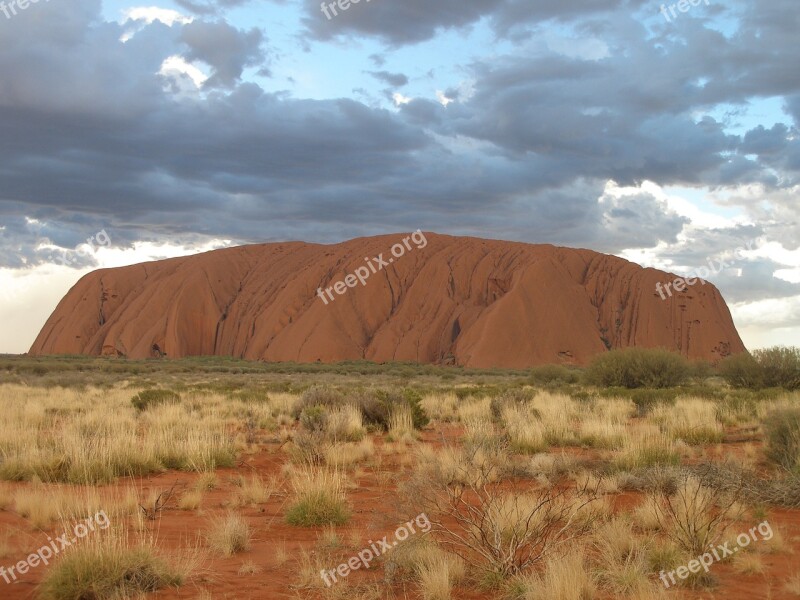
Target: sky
132,132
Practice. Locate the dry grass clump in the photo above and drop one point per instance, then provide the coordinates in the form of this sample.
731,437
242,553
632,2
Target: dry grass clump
435,570
346,424
645,446
623,559
471,410
254,490
526,432
748,564
190,500
96,436
462,466
792,585
318,497
600,432
43,506
692,420
563,578
112,566
206,481
558,414
348,455
401,424
283,405
229,535
441,407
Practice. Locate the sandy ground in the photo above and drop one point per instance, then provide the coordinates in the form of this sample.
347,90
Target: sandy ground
277,546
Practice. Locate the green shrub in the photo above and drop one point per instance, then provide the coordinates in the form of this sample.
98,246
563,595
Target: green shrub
554,374
320,396
149,398
766,368
780,366
782,435
742,370
314,419
638,368
377,407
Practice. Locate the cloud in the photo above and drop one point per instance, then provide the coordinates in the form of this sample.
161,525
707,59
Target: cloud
226,49
163,137
393,79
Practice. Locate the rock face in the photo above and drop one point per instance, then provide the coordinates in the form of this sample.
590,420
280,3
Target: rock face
450,300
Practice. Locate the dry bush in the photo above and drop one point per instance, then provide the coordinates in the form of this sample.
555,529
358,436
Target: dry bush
695,516
493,525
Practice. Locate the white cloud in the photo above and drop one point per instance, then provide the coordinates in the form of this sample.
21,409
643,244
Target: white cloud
141,16
400,99
29,296
175,67
149,14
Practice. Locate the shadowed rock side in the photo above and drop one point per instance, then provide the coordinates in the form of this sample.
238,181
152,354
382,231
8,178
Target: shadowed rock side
464,301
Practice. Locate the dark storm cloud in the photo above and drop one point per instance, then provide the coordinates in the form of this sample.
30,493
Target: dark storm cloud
94,138
413,21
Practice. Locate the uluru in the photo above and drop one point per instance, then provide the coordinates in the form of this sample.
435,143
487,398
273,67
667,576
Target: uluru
444,300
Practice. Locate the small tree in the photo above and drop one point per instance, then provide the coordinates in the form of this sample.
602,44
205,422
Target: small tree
742,370
780,366
766,368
